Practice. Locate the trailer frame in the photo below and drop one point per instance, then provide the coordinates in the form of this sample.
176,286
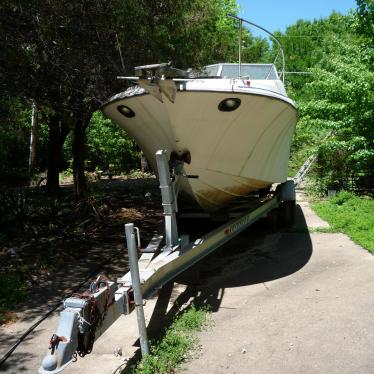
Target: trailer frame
156,266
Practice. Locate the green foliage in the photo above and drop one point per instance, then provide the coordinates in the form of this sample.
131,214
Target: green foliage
365,24
107,147
351,215
344,98
306,42
167,354
188,33
336,101
342,197
108,144
15,127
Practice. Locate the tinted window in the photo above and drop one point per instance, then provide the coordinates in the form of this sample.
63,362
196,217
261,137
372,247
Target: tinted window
266,71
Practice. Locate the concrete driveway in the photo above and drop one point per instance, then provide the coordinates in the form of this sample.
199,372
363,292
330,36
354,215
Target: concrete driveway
306,307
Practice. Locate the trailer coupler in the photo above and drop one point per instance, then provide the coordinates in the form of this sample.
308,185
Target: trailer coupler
84,318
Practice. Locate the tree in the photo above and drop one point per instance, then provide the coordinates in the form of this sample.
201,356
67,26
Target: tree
65,55
336,101
14,134
344,100
33,137
365,15
108,146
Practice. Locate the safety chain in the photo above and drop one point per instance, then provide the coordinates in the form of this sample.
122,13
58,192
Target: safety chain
86,340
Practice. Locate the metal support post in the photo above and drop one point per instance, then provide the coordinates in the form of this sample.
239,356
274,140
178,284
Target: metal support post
135,278
169,201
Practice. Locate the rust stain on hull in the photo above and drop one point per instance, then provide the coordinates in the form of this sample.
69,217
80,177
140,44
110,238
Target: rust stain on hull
212,198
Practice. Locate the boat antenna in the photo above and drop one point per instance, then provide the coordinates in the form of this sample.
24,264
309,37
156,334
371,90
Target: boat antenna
280,48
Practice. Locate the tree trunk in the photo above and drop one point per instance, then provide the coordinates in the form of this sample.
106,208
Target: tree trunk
143,163
33,135
79,143
56,139
54,156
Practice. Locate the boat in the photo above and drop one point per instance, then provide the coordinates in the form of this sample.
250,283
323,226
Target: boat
229,126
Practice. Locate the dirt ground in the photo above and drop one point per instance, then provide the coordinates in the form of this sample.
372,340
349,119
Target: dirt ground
54,263
285,301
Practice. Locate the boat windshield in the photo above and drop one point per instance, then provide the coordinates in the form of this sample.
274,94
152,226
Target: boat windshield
250,71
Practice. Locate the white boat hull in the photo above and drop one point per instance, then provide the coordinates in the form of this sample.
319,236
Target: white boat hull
232,153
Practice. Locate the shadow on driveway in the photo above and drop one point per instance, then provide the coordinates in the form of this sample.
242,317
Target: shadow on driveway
257,255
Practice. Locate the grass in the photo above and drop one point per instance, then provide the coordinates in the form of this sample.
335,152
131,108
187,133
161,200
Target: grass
351,215
180,338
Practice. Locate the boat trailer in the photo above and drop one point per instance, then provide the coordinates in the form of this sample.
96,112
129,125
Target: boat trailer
86,316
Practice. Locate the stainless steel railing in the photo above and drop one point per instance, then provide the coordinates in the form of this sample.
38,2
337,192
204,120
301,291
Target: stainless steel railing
280,48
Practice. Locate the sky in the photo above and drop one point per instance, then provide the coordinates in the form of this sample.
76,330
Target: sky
278,14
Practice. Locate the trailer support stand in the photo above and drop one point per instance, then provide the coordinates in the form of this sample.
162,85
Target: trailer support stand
169,201
135,278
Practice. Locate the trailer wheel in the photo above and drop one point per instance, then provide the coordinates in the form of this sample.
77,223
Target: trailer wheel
288,210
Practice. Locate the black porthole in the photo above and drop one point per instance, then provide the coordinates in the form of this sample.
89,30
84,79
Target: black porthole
126,111
229,104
